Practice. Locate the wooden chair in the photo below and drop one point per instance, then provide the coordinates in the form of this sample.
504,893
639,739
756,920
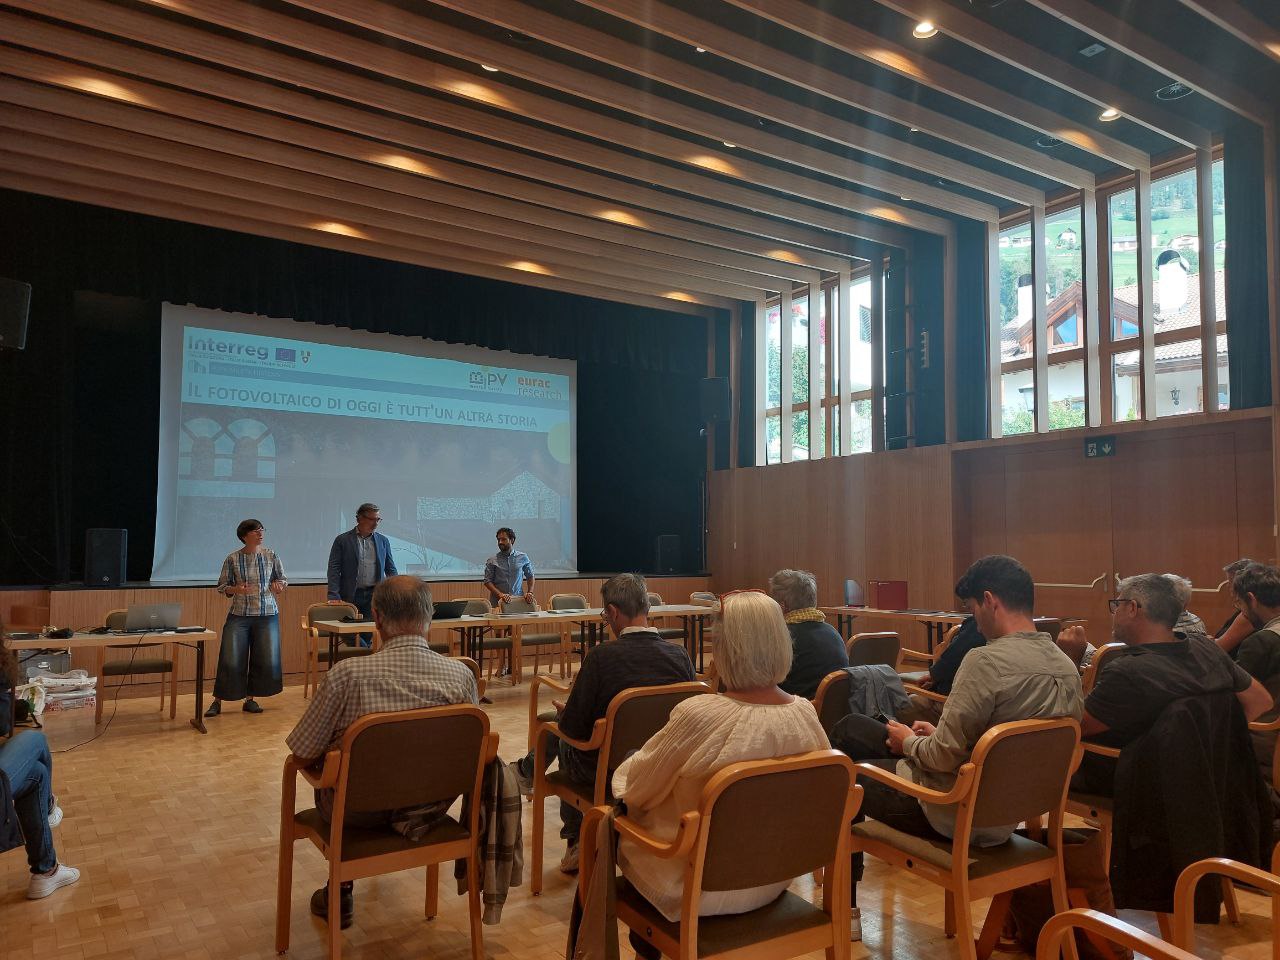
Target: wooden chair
1229,901
387,761
1018,771
832,699
316,655
1050,625
133,665
1184,895
1058,936
926,660
1099,660
872,649
634,715
571,601
724,848
703,598
536,642
675,634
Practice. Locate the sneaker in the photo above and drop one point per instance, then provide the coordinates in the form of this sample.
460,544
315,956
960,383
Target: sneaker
524,779
215,708
855,924
346,905
251,706
570,862
41,886
55,813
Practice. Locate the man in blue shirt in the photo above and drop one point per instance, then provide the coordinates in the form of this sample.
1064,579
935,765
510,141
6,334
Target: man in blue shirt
508,573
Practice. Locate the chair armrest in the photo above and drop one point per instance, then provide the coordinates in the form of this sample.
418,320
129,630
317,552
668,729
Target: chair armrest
909,654
595,743
327,778
1097,749
491,748
964,780
686,834
922,692
1260,726
536,684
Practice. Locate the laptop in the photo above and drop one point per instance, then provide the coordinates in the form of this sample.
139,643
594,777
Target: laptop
152,618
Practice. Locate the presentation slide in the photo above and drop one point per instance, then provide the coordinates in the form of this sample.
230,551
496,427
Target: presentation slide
296,425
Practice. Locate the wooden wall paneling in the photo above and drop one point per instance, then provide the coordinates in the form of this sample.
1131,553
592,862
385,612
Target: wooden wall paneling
931,530
849,525
979,506
21,598
1255,500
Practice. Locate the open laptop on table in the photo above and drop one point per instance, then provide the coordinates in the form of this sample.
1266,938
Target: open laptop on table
152,618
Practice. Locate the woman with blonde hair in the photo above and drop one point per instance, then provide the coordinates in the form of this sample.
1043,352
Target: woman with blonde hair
754,719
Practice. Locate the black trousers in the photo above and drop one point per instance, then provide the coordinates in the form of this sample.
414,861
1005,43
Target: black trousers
863,739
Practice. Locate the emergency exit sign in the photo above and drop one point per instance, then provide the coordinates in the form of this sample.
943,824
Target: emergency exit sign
1099,447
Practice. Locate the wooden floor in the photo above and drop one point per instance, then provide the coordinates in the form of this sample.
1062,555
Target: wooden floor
175,835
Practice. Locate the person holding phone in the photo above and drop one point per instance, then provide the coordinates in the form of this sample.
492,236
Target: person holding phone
249,658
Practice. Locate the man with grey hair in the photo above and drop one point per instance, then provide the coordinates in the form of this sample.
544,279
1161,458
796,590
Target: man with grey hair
816,648
1157,667
639,657
359,560
406,674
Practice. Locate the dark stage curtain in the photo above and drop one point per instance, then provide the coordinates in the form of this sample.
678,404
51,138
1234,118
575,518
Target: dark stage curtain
971,331
82,401
1248,322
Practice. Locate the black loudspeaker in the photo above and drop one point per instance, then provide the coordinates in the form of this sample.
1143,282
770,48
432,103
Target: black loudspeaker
15,304
713,399
666,553
105,554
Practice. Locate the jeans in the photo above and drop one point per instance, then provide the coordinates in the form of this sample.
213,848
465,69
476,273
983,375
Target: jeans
26,761
363,601
863,739
578,766
249,658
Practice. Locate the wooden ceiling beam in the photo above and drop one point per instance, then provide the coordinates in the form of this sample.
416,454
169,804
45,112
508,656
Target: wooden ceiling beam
675,23
1121,35
324,200
1231,16
310,75
434,35
1012,50
795,244
606,48
358,161
450,256
833,31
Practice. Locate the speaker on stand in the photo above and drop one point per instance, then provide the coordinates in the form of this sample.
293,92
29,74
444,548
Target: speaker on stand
106,553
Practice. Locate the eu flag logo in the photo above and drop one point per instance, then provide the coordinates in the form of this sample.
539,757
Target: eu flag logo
286,354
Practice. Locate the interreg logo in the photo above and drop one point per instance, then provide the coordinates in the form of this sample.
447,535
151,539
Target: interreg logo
210,345
482,378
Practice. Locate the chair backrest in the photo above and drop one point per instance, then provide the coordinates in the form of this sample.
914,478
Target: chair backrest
655,600
568,601
703,598
331,611
1050,625
832,699
752,834
946,640
1094,670
114,620
1022,770
1098,925
412,757
517,605
870,649
477,607
637,713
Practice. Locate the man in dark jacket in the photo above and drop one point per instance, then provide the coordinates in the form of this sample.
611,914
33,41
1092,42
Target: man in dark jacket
816,648
359,560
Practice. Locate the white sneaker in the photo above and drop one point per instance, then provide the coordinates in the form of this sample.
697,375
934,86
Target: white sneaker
569,864
55,813
41,886
855,924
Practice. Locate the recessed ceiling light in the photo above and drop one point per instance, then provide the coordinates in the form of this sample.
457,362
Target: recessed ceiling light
1174,91
908,199
1109,114
731,146
485,66
700,49
915,129
924,30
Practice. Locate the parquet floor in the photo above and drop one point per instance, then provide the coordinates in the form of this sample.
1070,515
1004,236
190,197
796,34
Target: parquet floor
176,836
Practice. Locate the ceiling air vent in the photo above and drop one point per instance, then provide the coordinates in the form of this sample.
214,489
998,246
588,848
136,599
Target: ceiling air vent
1047,142
987,4
1174,91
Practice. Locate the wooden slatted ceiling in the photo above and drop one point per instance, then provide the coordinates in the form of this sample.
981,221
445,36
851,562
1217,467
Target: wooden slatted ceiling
593,156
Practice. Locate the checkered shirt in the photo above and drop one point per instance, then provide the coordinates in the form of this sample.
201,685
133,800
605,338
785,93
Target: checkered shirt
405,674
259,569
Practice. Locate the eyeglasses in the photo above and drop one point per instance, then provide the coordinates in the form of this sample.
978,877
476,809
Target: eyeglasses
365,516
734,593
1115,604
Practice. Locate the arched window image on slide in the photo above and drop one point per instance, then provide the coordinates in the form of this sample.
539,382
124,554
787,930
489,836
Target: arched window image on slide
296,425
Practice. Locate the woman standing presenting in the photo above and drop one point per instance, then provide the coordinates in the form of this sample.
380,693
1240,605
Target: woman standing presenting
249,660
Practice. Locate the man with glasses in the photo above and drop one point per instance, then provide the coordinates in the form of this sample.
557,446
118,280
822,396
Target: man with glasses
1157,666
359,560
639,657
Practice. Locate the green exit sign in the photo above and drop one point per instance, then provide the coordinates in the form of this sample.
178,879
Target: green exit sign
1099,447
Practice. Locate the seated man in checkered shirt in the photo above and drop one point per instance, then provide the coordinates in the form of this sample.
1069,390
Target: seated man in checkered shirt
405,674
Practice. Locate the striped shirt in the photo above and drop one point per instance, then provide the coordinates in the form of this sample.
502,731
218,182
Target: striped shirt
260,570
405,674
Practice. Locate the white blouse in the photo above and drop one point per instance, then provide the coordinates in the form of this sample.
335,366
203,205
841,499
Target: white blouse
664,779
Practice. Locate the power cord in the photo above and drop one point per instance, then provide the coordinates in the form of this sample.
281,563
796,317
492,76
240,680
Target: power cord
115,700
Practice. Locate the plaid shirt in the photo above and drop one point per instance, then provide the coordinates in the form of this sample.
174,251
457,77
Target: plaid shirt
259,569
405,674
